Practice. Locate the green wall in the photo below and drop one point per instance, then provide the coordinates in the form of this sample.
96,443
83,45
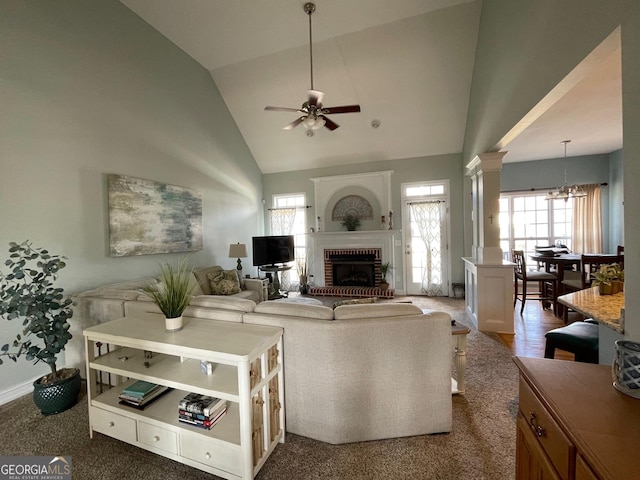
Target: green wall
440,167
87,88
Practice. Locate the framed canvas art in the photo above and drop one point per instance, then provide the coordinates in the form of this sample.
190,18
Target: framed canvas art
147,217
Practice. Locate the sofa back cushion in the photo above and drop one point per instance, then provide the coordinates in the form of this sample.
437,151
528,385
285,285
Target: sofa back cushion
201,277
377,310
195,285
319,312
225,303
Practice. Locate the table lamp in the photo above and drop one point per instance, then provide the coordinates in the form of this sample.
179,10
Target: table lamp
238,250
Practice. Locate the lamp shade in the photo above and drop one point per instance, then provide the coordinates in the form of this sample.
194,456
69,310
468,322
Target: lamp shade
237,250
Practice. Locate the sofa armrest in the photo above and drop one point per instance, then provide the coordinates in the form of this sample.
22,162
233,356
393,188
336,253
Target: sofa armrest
255,284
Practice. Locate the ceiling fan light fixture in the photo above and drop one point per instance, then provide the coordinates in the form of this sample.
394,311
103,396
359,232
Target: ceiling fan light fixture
319,123
313,111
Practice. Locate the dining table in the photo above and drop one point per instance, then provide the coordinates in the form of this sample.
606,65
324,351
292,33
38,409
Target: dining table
563,263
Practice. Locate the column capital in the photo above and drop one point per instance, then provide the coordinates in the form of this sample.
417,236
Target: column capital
485,162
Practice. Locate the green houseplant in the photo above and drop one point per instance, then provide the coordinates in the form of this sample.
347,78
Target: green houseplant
609,279
173,291
301,265
385,268
27,292
350,222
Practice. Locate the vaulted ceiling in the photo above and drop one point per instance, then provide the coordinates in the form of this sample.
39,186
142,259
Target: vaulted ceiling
407,63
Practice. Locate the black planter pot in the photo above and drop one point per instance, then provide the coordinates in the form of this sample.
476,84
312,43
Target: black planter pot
58,396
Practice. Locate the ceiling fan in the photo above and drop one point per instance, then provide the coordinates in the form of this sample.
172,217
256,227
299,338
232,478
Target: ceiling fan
314,113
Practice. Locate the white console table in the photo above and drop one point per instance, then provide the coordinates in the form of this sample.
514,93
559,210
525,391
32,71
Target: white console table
247,373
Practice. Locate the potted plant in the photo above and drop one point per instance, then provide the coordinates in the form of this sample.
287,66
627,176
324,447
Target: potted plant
27,292
350,222
301,265
609,279
173,291
384,269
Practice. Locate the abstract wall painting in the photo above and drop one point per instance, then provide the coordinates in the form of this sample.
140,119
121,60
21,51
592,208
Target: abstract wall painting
147,217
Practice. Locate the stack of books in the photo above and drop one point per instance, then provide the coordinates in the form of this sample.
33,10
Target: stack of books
201,410
140,394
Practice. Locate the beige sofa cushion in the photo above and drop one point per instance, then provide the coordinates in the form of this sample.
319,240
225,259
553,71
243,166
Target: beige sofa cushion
319,312
197,289
112,294
224,302
377,310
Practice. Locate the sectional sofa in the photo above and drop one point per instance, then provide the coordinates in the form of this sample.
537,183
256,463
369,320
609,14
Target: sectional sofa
353,373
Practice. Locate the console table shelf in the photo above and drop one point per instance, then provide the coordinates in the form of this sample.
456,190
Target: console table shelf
247,373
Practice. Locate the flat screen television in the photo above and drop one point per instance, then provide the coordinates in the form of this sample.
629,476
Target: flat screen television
273,250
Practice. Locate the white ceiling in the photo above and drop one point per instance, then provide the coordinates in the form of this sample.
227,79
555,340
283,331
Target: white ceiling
408,63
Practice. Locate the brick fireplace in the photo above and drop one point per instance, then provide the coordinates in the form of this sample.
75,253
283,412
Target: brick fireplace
352,267
358,257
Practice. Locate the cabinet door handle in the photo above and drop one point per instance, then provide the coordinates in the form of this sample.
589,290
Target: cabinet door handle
156,438
533,423
207,456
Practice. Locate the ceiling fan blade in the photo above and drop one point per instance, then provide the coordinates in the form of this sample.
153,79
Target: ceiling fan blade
330,124
283,109
315,98
295,123
342,109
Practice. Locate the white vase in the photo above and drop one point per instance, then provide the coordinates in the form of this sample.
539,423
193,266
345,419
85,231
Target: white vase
173,324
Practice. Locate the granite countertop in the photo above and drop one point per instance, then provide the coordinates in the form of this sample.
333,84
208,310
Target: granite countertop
605,309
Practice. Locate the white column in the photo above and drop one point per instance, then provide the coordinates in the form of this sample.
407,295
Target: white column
488,278
484,171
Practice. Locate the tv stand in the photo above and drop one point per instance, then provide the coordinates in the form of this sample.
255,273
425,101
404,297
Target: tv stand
271,272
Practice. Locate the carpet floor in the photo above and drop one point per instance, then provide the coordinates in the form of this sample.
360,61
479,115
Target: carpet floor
480,446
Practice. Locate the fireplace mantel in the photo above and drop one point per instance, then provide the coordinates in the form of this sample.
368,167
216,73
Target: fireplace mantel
320,241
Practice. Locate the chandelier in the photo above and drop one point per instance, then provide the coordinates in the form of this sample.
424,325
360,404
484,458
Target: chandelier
566,191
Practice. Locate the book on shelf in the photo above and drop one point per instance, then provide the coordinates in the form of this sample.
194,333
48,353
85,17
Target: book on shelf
199,403
208,424
140,389
201,416
143,402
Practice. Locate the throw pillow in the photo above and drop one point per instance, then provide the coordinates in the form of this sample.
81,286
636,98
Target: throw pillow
355,301
224,282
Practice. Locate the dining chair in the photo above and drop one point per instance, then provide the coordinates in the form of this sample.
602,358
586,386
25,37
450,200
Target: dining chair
547,282
590,263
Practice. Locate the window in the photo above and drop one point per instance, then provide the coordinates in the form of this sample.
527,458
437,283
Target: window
296,227
528,220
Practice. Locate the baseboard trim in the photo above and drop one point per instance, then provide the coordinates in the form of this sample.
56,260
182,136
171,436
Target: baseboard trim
16,392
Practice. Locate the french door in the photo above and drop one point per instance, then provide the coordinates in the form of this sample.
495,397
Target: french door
425,239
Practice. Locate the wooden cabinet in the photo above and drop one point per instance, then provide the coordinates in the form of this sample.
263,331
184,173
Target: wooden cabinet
573,424
247,372
531,460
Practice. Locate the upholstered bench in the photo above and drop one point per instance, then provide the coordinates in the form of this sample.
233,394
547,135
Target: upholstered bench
579,338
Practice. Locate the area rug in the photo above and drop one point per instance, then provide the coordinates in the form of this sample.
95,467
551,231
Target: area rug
480,446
